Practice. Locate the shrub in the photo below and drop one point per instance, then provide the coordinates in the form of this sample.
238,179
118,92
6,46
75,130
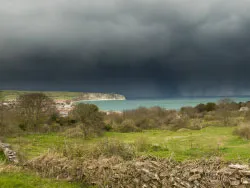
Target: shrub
195,124
210,106
180,123
45,128
143,118
92,122
200,108
112,147
104,148
108,127
128,125
75,132
142,144
228,104
189,111
158,147
55,127
243,130
247,116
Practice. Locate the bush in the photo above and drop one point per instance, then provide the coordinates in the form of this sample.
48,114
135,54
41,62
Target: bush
243,130
200,108
75,132
112,147
128,125
92,122
196,124
108,127
45,128
189,111
55,127
210,106
143,118
180,123
104,148
142,144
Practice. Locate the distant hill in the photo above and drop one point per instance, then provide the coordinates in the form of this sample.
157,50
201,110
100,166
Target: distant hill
64,95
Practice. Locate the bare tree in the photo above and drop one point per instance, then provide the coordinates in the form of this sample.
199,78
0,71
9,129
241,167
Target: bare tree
34,109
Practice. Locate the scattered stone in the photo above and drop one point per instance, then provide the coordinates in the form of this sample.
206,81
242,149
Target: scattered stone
145,172
235,182
9,153
197,170
194,177
245,181
238,166
245,172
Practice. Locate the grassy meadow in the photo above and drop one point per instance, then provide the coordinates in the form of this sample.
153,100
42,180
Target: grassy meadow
12,176
180,145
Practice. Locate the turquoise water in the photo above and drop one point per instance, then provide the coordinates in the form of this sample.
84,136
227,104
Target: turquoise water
170,103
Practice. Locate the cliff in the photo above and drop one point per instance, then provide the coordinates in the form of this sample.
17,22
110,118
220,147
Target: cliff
65,95
99,96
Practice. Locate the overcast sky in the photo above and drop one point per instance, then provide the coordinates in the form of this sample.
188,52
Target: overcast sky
140,48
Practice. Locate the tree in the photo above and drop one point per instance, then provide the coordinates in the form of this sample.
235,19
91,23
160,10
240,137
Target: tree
90,117
189,111
200,108
225,106
34,109
210,106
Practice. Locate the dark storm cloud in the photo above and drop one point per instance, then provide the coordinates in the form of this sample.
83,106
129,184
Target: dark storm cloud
135,47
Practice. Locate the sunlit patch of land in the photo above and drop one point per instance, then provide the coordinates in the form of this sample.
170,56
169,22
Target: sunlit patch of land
189,144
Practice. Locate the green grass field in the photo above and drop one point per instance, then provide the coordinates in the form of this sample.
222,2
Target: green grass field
27,180
15,177
191,144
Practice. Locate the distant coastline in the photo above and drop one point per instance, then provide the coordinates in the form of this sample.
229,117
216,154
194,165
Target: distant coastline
10,95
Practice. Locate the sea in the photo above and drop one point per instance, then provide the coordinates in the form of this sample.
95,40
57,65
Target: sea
167,103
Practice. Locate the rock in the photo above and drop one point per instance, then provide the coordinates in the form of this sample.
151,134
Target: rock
186,184
235,182
10,154
194,177
215,184
226,171
136,180
197,170
148,172
238,166
245,172
145,178
245,181
164,174
244,109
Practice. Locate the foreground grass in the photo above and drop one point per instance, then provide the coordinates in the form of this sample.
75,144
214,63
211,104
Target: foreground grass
25,180
189,144
14,177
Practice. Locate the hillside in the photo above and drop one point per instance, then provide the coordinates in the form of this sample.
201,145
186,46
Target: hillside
12,94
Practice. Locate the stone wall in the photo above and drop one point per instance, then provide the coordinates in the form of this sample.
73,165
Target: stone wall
145,172
8,152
